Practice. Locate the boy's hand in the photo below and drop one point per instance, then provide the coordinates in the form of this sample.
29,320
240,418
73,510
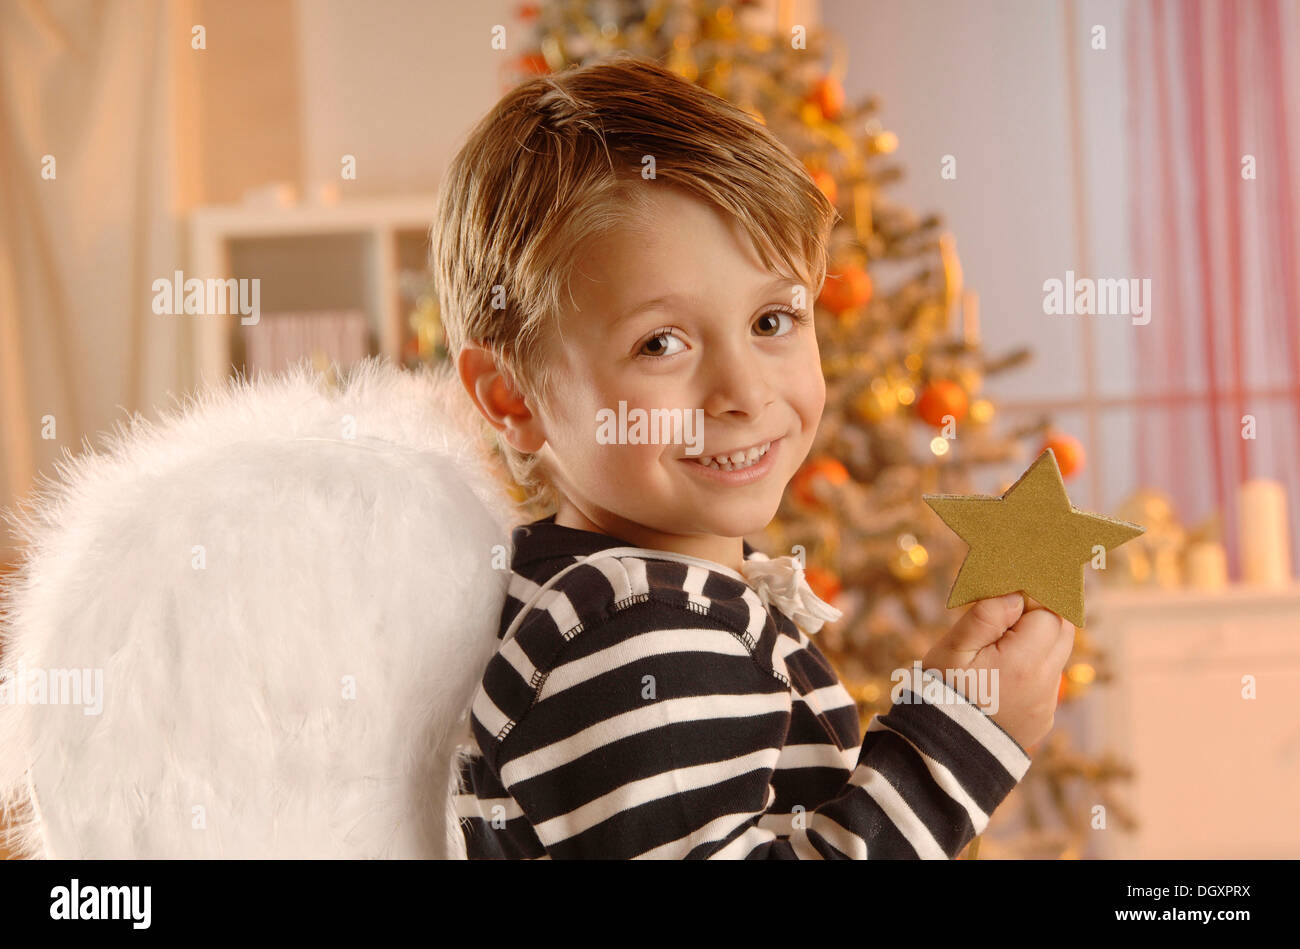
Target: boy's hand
1028,645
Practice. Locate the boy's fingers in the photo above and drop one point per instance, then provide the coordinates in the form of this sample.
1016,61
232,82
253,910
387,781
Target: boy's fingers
1064,641
1064,644
985,622
1043,632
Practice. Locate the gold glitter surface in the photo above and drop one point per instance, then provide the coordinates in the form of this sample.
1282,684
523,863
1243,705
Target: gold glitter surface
1030,540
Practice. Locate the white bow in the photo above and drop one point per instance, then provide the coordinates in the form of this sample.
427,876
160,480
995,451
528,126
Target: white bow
780,582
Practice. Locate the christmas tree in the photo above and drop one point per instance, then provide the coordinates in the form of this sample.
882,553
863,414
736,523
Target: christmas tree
899,338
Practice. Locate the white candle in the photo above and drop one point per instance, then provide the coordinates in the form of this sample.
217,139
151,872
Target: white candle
1207,567
1265,546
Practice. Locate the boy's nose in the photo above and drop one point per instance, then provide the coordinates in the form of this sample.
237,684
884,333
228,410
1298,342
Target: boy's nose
737,384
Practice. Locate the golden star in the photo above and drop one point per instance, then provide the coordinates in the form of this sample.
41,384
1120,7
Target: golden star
1030,540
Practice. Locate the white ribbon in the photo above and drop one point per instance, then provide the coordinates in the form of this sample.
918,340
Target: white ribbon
780,582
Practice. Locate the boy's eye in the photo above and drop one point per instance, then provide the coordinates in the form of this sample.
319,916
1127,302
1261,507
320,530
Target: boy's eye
657,345
769,324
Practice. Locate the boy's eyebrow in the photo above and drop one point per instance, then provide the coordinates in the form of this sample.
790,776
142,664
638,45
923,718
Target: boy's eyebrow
670,299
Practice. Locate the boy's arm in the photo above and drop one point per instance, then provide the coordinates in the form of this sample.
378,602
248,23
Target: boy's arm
662,743
934,769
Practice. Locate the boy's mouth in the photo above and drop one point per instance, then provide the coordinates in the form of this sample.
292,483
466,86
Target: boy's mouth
736,459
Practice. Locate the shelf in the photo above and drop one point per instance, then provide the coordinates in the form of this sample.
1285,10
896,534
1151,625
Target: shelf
1163,600
307,257
1202,705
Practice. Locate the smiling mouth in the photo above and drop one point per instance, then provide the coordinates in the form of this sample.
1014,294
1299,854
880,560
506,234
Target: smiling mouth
736,460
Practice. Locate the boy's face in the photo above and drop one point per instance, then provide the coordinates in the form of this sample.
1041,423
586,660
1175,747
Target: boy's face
724,344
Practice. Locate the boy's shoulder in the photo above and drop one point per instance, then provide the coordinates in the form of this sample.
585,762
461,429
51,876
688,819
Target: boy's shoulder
568,584
565,581
636,592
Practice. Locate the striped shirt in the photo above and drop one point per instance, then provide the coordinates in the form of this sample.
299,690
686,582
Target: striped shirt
655,708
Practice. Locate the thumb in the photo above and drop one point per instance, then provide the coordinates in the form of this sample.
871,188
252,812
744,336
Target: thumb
985,622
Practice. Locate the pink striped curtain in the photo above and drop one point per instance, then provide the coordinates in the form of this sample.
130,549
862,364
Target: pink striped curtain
1214,86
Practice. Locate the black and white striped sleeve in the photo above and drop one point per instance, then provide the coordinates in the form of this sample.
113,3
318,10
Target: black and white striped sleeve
656,734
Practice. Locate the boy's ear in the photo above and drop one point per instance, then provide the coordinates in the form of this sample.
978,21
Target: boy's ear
497,399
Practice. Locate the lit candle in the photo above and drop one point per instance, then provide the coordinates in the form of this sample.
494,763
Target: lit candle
1265,546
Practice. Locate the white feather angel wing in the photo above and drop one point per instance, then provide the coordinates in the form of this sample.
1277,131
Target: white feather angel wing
255,629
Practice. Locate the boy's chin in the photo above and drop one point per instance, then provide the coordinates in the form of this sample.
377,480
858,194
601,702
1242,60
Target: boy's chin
752,519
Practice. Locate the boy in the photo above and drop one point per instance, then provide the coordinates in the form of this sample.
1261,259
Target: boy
614,237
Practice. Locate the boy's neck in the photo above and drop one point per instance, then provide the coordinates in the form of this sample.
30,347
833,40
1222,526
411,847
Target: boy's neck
728,551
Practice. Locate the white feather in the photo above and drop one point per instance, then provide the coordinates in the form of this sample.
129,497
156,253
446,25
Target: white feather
347,540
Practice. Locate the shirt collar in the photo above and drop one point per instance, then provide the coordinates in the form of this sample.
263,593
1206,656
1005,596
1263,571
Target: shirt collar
778,583
546,540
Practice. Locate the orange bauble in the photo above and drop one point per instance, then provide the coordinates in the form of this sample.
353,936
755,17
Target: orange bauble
824,583
825,183
939,398
1068,451
818,471
534,64
846,288
828,95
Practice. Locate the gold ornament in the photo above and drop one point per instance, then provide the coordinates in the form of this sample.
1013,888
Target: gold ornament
1030,540
839,138
1081,673
1076,679
879,401
1156,558
426,321
871,406
681,60
909,563
883,144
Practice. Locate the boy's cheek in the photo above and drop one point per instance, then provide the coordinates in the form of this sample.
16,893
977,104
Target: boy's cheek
810,394
820,400
818,376
624,463
813,400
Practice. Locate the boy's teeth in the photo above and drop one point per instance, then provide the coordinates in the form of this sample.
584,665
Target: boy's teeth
736,459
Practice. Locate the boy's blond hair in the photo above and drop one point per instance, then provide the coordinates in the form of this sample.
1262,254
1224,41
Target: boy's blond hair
559,161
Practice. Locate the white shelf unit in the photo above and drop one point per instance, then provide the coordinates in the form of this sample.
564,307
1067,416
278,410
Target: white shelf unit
1215,772
345,255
